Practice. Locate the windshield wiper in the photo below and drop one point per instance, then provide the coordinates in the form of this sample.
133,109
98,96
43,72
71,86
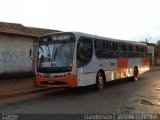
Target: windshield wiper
53,57
41,48
48,55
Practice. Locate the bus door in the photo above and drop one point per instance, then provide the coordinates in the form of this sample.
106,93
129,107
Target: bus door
84,58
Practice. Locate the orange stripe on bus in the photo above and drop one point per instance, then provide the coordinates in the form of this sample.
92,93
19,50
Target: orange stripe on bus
122,63
70,80
145,61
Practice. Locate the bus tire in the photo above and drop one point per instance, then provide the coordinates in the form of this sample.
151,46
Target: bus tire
135,74
100,81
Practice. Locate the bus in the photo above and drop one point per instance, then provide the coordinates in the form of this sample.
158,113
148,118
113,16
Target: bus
75,59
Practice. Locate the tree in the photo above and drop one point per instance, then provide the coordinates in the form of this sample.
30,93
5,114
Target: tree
158,42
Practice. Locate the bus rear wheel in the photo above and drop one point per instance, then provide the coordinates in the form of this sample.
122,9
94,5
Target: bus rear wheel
100,81
135,74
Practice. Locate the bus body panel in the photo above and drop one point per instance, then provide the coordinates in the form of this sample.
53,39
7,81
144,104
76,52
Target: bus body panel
114,68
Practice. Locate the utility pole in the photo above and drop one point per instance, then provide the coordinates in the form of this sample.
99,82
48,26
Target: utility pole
146,41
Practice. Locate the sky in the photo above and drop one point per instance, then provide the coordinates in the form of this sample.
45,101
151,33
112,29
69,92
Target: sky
120,19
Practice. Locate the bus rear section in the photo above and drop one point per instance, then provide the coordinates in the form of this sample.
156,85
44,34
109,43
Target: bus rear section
100,60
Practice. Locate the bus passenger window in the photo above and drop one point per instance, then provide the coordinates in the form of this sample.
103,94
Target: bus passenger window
100,48
84,51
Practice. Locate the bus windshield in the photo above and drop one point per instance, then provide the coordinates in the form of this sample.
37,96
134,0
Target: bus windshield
55,55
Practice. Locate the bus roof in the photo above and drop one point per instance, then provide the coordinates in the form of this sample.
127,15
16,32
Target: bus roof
79,34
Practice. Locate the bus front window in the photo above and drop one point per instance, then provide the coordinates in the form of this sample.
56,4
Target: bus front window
54,57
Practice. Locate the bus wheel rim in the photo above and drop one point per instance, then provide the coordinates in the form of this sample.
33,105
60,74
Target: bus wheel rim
100,81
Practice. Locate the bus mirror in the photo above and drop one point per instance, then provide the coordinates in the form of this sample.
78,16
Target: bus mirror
30,52
31,55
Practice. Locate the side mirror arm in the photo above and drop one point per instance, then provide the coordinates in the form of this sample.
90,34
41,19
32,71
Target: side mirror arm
30,52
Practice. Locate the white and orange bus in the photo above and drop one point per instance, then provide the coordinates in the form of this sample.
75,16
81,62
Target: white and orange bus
73,59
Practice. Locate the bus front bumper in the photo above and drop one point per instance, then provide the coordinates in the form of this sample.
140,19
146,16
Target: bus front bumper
58,81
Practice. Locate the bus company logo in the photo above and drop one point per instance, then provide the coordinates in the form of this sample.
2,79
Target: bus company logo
112,64
9,117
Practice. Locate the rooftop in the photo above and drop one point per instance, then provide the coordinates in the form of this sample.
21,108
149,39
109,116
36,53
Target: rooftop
15,28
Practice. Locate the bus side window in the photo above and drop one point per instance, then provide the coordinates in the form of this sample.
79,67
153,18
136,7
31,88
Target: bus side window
146,52
119,50
84,51
100,48
112,50
130,51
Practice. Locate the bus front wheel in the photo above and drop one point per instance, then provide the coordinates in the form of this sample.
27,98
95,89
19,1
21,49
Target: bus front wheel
100,81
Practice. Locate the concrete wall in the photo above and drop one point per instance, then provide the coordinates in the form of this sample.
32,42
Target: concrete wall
157,61
151,50
14,55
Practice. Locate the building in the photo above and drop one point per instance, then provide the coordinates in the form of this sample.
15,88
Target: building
151,52
14,48
157,48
